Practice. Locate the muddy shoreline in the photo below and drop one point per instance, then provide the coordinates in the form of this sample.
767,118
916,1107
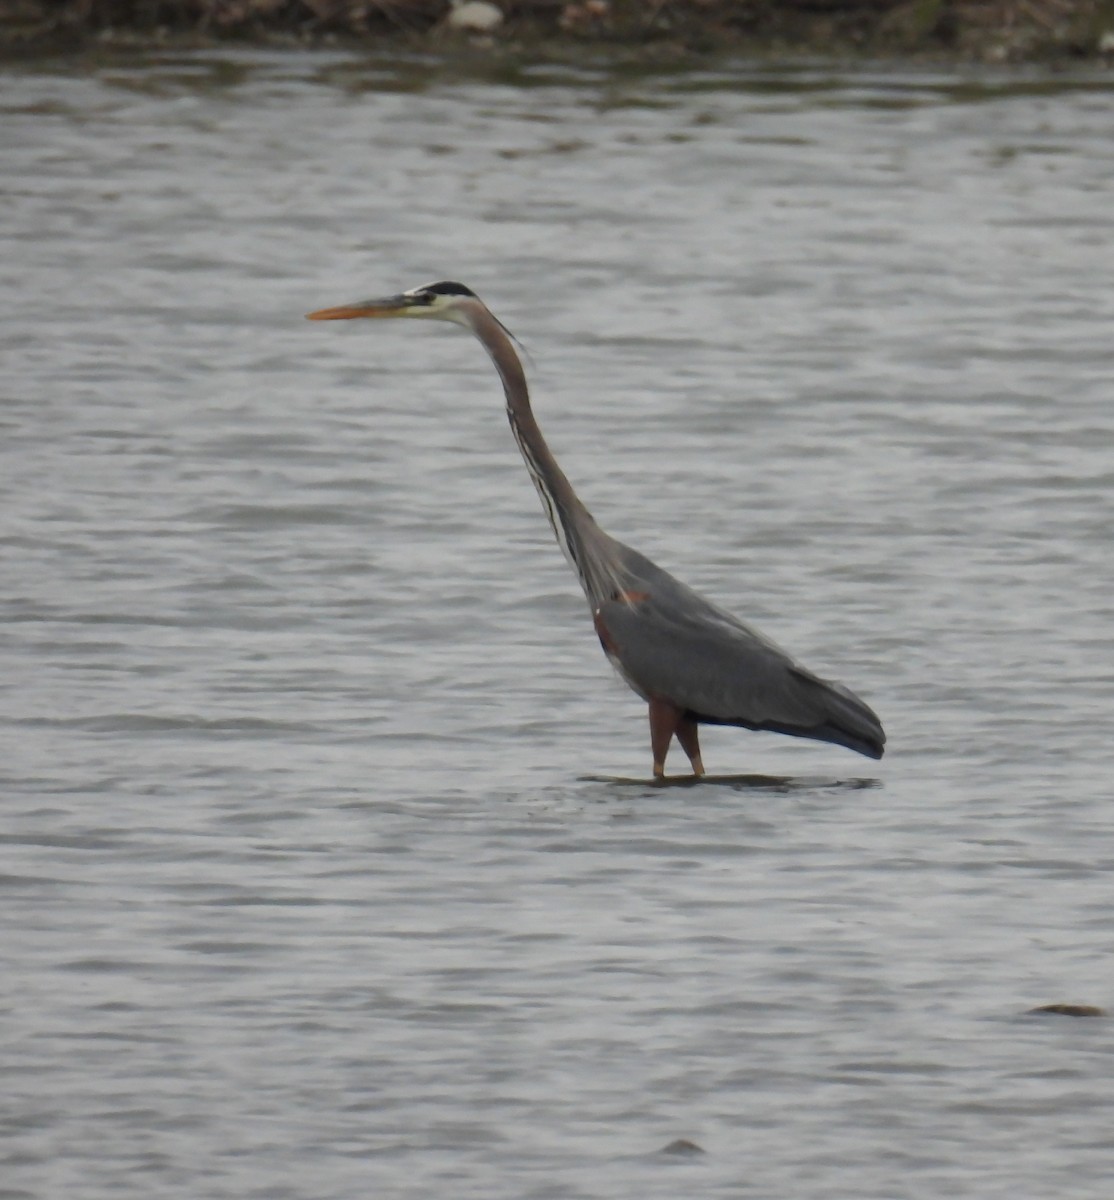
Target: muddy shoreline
995,31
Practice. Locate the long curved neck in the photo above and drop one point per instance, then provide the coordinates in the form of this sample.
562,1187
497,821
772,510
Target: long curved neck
585,545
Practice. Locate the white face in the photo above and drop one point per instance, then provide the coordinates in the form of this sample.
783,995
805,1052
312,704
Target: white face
444,306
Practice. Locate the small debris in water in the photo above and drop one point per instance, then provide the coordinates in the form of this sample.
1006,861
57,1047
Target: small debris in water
1071,1010
682,1146
474,16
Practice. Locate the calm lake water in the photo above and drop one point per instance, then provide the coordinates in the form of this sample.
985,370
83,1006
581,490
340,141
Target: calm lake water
330,869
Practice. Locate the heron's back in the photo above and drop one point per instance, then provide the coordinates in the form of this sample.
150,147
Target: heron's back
670,643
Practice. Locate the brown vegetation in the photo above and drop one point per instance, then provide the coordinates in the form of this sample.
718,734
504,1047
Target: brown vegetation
988,29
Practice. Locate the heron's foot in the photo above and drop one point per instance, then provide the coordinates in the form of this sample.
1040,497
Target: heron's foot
664,719
689,738
666,722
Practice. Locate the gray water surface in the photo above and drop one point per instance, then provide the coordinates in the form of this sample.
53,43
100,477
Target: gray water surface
329,865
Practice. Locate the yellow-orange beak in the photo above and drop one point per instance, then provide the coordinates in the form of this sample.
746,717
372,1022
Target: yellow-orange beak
394,306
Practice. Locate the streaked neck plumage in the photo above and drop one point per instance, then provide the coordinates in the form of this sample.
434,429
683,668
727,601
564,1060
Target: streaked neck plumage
590,551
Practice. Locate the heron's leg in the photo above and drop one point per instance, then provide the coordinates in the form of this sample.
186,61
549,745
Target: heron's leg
664,720
689,737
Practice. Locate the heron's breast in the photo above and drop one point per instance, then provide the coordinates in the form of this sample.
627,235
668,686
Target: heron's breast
611,647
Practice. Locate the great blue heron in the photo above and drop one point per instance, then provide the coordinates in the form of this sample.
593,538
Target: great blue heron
691,661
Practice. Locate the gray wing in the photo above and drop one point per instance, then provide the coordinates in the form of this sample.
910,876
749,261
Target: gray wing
671,643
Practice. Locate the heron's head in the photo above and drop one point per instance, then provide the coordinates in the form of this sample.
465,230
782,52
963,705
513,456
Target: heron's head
444,301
